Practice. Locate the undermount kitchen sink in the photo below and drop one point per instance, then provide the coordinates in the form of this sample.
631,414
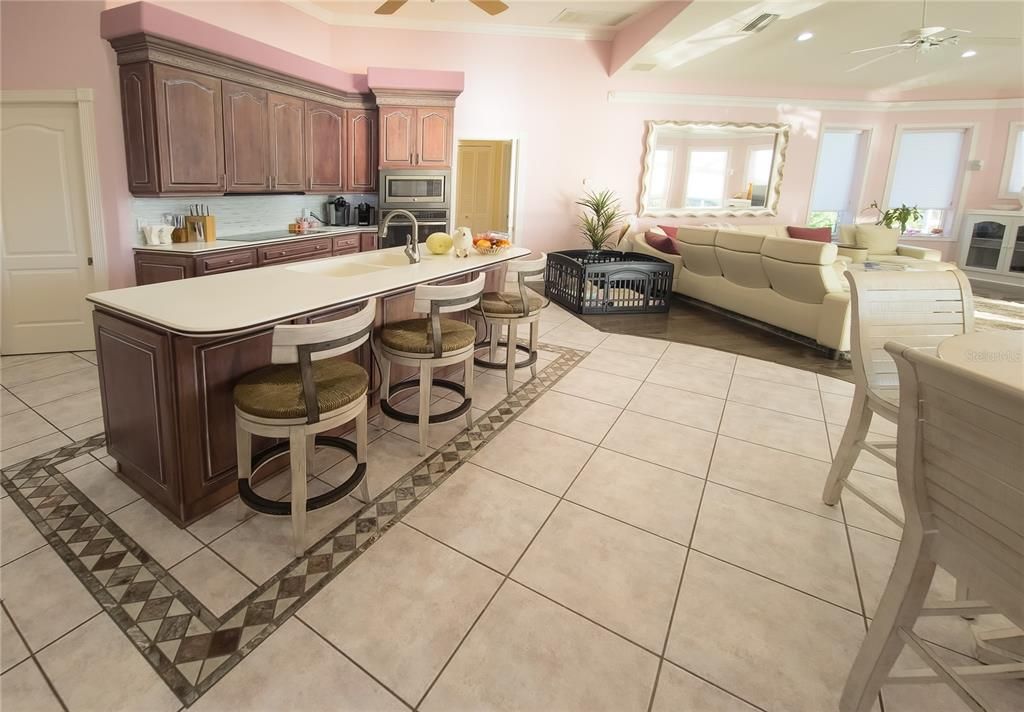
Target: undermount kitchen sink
384,259
342,269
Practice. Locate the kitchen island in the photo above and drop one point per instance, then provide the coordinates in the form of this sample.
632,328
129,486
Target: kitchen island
170,353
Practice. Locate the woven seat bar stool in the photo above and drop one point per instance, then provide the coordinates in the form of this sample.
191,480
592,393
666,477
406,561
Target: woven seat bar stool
429,343
308,389
505,310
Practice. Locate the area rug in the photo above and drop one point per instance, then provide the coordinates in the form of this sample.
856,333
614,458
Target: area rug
998,315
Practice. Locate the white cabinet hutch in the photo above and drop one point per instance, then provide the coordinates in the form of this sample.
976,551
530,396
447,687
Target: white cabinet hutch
992,245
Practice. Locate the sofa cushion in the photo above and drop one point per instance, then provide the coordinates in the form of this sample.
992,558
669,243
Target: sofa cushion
696,235
799,251
879,239
848,235
662,243
815,234
669,230
767,230
739,241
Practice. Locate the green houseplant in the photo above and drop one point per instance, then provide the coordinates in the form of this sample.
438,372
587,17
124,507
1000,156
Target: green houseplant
896,216
601,214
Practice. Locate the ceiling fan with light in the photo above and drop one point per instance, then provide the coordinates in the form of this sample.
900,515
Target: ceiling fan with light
924,39
491,7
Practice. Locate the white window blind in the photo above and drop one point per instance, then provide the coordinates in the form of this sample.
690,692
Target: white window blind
927,168
1016,179
838,162
705,183
759,165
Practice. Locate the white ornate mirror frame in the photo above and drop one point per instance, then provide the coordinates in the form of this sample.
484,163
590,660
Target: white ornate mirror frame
781,132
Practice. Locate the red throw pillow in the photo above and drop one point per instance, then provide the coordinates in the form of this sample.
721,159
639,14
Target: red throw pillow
669,230
662,243
816,234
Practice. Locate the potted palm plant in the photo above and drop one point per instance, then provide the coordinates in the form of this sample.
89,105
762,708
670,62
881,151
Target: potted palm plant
600,218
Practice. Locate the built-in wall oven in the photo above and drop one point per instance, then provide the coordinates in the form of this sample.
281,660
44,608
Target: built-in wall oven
413,187
427,222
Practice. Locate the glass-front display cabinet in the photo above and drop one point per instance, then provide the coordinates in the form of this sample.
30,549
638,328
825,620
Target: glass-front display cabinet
992,244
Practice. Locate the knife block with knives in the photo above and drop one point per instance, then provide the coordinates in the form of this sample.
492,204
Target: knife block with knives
201,228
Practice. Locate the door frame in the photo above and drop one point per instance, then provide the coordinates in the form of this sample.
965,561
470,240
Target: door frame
514,181
84,101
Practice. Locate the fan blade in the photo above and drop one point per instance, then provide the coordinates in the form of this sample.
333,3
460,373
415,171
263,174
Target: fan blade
390,7
903,45
491,7
996,40
872,61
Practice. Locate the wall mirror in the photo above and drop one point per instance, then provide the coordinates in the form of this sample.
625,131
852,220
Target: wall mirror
712,169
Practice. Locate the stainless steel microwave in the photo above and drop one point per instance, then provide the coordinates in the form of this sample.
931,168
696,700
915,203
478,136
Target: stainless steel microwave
416,187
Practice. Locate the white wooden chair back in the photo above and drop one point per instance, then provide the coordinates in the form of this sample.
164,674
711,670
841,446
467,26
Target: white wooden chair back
529,269
961,480
448,298
918,309
323,340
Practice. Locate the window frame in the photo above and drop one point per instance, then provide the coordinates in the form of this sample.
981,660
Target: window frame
857,185
725,176
1014,134
955,211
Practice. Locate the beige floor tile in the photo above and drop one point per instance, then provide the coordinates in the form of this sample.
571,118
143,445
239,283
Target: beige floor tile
212,581
73,410
618,363
22,427
793,547
783,431
439,433
102,486
772,474
679,406
75,462
486,516
612,573
769,371
9,403
776,647
85,430
635,345
535,456
711,359
643,494
860,514
12,648
866,462
827,384
576,417
527,653
44,597
219,522
127,681
23,689
155,533
19,359
708,382
89,356
678,690
388,458
776,396
33,448
598,386
571,335
401,609
837,412
679,447
274,677
38,369
18,535
54,388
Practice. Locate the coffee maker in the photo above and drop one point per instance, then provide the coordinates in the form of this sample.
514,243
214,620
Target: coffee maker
366,214
339,212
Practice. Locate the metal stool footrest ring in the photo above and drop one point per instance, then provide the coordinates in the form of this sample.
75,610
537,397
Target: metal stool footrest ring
501,365
390,411
269,506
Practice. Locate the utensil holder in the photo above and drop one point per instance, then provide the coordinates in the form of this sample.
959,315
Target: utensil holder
179,234
208,231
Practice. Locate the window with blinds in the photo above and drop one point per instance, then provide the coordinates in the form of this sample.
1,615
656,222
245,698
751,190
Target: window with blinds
927,174
837,177
1013,171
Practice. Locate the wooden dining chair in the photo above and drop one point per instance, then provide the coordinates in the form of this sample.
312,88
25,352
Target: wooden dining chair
961,445
919,309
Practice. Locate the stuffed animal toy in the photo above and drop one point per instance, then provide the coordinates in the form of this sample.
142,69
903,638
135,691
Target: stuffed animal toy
463,239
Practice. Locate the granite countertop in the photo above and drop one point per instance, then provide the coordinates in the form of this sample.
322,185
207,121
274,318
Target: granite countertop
256,238
238,301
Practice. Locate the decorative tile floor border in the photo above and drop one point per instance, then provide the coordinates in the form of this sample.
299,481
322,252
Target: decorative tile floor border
188,646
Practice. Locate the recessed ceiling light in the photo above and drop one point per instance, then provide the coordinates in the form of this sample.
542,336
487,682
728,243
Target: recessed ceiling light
804,36
968,53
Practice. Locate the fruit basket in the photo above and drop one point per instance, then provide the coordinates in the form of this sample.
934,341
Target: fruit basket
491,243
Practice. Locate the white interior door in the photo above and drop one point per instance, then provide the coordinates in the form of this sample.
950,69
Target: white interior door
44,232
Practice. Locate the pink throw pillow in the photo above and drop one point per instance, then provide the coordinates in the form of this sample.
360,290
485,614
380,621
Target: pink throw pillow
662,243
816,234
669,230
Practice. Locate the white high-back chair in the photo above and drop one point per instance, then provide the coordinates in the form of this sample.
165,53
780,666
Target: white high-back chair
961,445
919,309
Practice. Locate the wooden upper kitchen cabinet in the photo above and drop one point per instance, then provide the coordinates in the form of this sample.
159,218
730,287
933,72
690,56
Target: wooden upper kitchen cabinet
361,169
287,143
397,137
139,128
325,148
246,139
434,137
415,137
188,115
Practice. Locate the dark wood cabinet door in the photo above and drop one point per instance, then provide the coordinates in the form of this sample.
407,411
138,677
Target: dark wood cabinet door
325,148
397,137
361,171
190,131
153,267
367,241
434,137
287,143
139,131
246,139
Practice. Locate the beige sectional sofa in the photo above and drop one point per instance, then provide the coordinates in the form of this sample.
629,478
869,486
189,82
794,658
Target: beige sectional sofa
792,284
877,243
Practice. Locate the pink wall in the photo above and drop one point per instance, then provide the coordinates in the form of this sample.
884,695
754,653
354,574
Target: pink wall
549,94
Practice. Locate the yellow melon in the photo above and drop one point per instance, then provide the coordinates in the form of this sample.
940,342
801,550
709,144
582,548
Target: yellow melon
439,242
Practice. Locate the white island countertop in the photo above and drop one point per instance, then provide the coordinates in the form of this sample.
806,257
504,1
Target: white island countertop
239,301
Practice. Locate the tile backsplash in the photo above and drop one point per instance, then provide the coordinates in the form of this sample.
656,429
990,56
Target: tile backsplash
240,214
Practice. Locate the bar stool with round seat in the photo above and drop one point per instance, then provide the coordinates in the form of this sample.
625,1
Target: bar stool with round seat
505,310
428,343
308,389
